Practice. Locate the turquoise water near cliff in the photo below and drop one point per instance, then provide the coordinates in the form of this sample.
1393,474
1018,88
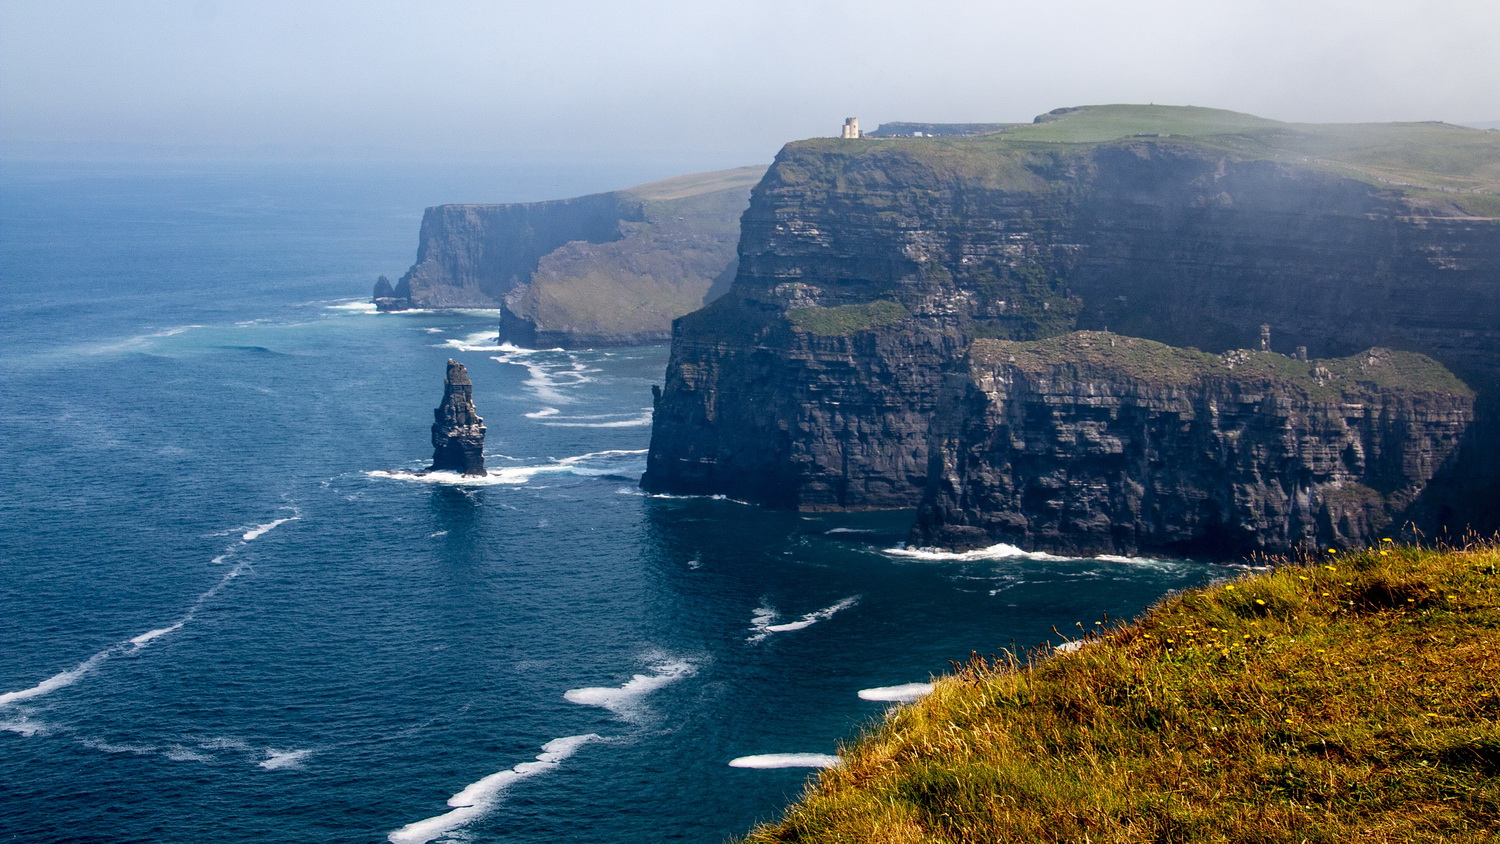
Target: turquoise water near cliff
230,613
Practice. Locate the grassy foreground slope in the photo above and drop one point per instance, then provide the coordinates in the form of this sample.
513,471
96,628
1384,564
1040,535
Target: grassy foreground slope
1352,698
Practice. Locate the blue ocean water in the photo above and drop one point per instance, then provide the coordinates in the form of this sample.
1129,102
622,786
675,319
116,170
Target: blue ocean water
229,612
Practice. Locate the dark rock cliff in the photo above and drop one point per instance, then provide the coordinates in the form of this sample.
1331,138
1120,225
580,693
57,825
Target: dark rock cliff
1095,443
457,429
868,267
606,269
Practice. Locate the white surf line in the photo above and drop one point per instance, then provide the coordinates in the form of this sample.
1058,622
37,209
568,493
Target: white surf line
478,798
905,693
761,626
768,761
67,678
624,700
999,551
639,421
515,475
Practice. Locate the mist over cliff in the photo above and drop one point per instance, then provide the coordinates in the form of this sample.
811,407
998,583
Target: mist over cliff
868,267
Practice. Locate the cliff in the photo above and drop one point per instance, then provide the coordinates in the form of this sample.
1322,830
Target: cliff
1095,443
605,269
457,429
868,267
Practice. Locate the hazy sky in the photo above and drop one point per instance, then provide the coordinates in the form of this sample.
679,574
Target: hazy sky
712,82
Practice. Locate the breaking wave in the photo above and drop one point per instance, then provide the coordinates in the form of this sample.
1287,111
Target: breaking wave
625,700
130,646
762,622
592,465
1000,551
897,694
766,761
478,798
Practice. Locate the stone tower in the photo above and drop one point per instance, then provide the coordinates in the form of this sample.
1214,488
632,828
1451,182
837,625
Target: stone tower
457,430
851,128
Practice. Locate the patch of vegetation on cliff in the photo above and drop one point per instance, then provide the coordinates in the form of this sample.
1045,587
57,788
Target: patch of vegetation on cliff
846,320
1348,698
1091,124
1438,164
1159,363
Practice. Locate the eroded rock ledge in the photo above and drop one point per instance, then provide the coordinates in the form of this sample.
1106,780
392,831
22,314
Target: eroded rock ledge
1095,443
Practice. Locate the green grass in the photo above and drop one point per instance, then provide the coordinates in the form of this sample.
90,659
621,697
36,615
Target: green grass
1092,124
696,184
846,320
1353,697
1434,162
1134,358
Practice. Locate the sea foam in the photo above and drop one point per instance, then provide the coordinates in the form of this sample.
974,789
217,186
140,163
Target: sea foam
761,625
593,464
277,760
766,761
63,679
999,551
897,694
478,798
624,700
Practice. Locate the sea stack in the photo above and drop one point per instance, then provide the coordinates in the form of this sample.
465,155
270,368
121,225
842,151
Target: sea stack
457,430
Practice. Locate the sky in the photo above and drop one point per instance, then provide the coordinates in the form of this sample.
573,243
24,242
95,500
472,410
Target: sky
701,81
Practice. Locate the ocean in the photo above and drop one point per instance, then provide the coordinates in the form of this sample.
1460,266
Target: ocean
232,611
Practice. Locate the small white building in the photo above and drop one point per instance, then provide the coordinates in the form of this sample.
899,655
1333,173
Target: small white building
851,128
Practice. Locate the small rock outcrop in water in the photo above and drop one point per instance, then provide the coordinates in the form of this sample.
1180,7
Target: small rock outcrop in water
457,430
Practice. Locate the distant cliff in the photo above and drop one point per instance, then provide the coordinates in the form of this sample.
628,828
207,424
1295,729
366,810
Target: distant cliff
1095,443
867,268
605,269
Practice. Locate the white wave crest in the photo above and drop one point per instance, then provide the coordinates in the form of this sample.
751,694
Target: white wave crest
277,760
761,625
847,530
482,341
897,694
593,464
640,421
261,530
479,797
1000,551
63,679
547,375
766,761
624,700
356,307
23,725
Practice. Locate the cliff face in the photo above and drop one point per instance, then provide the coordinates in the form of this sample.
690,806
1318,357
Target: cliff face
1096,443
868,267
606,269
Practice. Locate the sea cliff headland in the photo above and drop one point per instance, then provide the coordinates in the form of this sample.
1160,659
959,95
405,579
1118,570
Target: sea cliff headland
869,268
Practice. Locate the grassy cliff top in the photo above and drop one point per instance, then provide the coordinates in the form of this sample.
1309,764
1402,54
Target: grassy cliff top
1432,160
697,184
1348,698
1146,360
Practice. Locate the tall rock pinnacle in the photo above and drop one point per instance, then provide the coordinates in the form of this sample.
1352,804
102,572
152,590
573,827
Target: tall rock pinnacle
457,430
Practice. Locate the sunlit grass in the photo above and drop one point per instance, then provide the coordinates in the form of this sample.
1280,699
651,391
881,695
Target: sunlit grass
1353,697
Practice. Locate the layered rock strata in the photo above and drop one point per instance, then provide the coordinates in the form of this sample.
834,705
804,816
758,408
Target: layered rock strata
606,269
1095,443
457,429
868,267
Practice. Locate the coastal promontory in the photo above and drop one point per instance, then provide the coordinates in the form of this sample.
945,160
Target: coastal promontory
607,269
869,267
